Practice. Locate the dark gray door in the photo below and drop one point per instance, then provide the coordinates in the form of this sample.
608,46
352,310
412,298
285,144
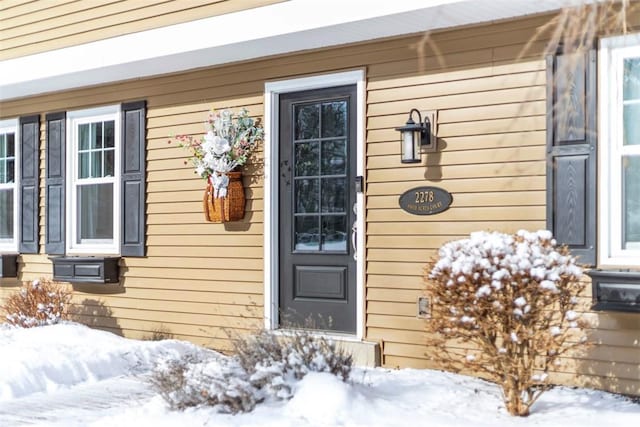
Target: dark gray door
316,209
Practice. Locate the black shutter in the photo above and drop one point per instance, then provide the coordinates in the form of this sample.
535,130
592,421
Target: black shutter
55,183
571,151
133,179
29,183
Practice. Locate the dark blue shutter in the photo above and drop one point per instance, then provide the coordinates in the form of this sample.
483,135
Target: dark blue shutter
55,184
133,179
29,182
571,151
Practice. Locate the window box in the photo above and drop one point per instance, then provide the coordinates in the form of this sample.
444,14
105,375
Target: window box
616,290
8,265
86,269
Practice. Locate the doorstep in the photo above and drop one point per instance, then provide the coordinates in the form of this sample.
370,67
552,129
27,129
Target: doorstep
365,353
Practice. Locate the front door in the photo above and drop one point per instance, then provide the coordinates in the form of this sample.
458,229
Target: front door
317,154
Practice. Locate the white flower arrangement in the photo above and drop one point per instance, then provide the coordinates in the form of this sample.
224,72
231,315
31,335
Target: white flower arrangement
227,145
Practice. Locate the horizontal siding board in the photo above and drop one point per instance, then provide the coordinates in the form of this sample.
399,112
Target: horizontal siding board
462,185
507,198
114,20
470,157
512,169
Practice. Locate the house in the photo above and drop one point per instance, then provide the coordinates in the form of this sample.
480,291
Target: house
91,192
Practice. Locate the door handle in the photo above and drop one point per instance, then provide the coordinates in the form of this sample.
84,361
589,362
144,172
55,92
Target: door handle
354,232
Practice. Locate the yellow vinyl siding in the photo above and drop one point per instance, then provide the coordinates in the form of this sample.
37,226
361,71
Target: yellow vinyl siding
33,27
199,278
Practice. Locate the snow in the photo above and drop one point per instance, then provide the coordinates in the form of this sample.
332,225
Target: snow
69,375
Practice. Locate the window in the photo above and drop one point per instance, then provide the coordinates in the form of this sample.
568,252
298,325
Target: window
93,168
9,176
619,149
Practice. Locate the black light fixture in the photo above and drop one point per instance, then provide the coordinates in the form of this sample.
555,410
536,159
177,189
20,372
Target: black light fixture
414,136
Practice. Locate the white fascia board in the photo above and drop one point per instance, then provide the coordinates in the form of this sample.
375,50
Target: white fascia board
286,27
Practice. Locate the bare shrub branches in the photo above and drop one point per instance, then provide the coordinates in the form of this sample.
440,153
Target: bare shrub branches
266,365
41,302
509,302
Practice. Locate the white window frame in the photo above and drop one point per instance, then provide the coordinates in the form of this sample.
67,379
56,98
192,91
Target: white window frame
11,245
612,52
74,119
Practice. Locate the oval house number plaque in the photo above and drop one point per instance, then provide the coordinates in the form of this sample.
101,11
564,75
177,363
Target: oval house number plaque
425,200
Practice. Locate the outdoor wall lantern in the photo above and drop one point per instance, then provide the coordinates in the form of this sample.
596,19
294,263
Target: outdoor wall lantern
416,137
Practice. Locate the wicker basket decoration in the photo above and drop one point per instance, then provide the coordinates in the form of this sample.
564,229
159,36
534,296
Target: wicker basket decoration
228,208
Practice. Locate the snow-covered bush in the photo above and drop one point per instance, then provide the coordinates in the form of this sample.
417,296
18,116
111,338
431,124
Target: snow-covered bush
265,366
275,361
41,302
513,298
214,381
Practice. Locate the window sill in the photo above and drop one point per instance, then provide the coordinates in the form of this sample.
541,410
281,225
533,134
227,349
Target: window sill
615,290
85,269
8,265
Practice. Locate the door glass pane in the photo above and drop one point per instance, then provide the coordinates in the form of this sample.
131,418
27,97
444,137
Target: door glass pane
334,194
631,79
306,195
334,233
6,214
334,119
631,117
109,138
307,120
334,157
95,212
306,233
306,158
631,202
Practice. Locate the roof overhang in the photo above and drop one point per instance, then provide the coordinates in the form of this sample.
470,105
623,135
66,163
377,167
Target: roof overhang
286,27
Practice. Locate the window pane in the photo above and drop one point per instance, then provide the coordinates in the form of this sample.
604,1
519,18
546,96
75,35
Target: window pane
307,119
334,233
11,171
631,119
3,171
85,167
95,212
307,158
631,202
6,214
96,164
96,135
109,138
11,144
3,145
631,79
334,119
306,233
109,163
84,136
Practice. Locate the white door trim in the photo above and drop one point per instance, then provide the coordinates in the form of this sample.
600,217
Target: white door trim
271,99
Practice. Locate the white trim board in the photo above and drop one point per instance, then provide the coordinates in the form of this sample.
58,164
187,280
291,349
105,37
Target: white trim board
271,99
286,27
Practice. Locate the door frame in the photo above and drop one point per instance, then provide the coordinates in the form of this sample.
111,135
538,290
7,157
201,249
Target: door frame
272,93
